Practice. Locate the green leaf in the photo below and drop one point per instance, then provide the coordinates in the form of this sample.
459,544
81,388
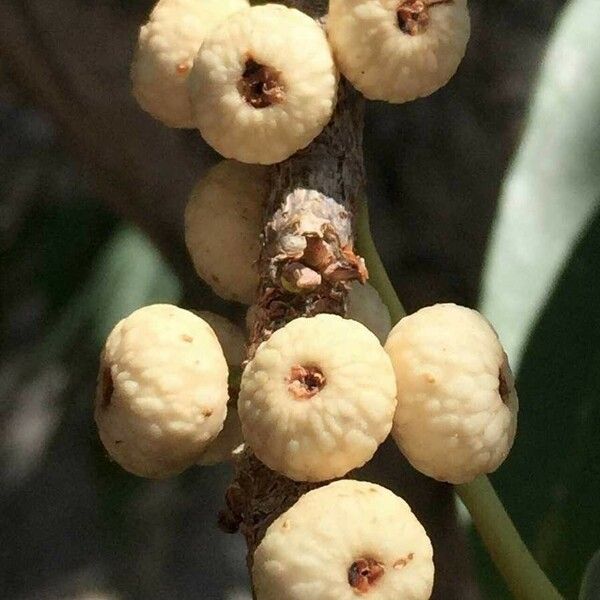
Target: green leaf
590,587
130,274
553,186
551,480
541,290
127,274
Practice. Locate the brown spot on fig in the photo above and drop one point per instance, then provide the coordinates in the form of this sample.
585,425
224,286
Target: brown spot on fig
106,387
305,382
364,573
187,338
260,85
505,381
182,68
413,15
403,561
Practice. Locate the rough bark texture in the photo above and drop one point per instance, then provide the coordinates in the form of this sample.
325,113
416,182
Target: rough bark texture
307,256
294,283
330,173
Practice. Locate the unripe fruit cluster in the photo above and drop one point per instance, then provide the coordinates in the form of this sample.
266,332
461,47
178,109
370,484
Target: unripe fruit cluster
260,83
316,400
320,394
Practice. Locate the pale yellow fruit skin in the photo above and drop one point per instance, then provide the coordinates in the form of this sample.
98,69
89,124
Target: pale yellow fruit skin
230,336
308,550
382,61
338,429
169,391
285,40
451,422
223,220
221,449
233,344
366,306
167,46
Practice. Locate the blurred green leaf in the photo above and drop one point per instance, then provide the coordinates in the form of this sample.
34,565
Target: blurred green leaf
560,389
551,480
553,186
129,273
541,290
590,587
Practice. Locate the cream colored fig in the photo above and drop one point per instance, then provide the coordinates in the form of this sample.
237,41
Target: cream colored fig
318,398
263,84
162,391
457,404
222,228
398,50
347,540
167,46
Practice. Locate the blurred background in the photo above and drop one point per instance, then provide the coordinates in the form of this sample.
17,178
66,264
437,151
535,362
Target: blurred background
484,194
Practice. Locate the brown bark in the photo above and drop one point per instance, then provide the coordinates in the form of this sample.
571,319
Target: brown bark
332,170
307,255
332,167
319,184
